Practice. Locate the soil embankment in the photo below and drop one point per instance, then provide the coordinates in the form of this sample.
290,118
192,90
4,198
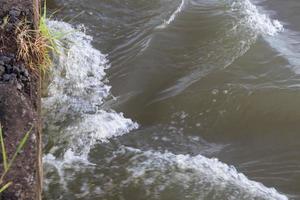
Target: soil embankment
19,104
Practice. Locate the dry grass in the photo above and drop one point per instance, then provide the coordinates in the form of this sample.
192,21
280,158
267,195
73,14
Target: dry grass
33,48
36,46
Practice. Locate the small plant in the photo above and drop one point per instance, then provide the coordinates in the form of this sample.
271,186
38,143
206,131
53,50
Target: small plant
32,47
35,46
45,31
8,164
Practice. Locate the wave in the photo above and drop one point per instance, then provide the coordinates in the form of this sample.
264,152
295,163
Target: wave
74,118
173,16
253,19
238,35
159,175
287,45
195,177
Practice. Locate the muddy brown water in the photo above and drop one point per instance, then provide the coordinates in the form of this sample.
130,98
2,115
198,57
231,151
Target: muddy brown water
212,78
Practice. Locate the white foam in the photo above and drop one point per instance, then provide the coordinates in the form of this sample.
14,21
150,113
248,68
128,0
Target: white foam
198,175
173,16
287,45
257,21
72,109
249,14
69,160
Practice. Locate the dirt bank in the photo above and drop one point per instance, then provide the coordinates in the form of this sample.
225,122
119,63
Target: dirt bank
19,104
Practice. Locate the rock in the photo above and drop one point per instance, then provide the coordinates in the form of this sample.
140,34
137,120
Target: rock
16,70
9,69
6,77
19,86
9,78
2,69
9,27
25,12
24,72
24,79
5,59
14,13
13,78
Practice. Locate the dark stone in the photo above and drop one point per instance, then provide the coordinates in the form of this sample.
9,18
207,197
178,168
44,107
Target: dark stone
10,195
6,77
26,12
9,69
16,70
2,70
24,79
19,86
9,27
5,59
26,73
14,13
13,79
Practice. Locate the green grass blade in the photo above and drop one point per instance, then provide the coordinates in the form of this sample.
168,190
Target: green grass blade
20,147
5,186
45,9
82,12
4,155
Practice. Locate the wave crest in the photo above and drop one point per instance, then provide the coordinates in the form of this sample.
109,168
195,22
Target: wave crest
74,118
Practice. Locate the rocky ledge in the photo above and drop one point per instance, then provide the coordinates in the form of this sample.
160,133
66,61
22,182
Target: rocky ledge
19,106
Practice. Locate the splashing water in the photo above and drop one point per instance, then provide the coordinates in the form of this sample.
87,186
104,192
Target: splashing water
204,174
73,115
252,18
75,120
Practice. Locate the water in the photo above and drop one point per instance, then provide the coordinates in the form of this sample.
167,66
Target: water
174,99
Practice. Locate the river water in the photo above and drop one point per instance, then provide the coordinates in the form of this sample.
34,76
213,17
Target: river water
173,100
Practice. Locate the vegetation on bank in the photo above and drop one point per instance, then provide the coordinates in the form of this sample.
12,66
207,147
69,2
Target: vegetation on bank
7,164
35,46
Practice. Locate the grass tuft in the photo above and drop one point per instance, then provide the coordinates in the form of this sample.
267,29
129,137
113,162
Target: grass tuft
35,46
